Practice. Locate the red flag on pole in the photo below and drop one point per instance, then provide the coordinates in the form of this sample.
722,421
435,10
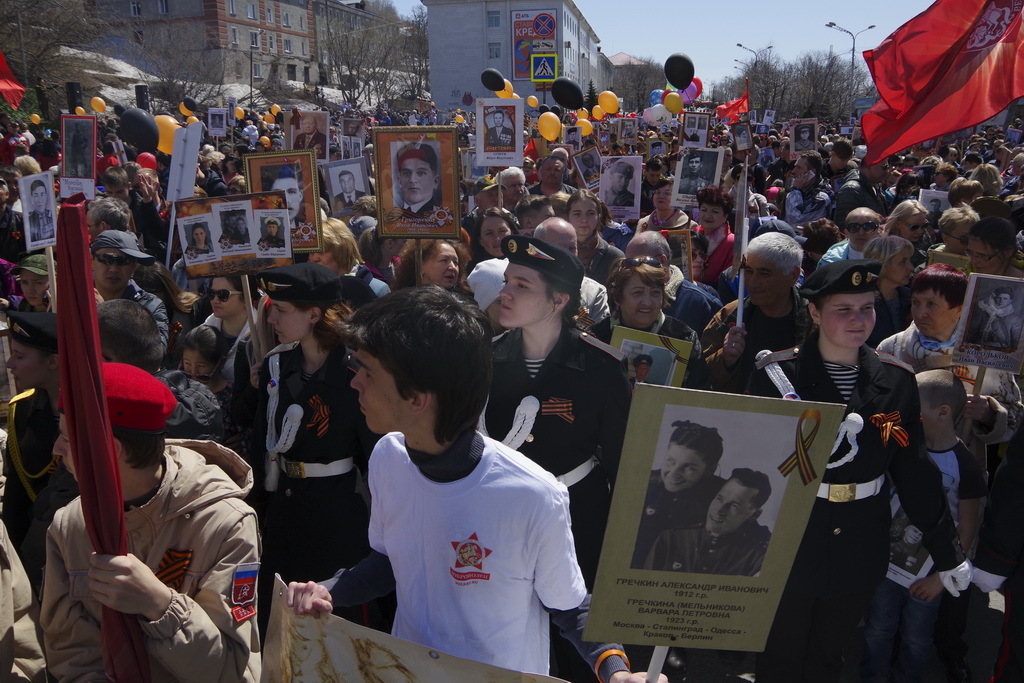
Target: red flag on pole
731,110
10,88
953,66
91,440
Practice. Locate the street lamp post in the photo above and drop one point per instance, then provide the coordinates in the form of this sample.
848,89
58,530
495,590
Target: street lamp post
853,51
753,66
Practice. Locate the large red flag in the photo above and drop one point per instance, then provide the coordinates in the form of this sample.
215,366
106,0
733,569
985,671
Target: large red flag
953,66
10,88
731,110
85,412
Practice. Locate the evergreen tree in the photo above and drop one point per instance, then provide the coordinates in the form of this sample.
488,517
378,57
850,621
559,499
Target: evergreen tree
591,96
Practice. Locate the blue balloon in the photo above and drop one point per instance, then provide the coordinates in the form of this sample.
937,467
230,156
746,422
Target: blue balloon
655,98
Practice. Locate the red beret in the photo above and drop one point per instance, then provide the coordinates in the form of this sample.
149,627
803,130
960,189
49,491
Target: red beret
135,399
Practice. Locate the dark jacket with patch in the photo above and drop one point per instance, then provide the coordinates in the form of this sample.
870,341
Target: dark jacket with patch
845,547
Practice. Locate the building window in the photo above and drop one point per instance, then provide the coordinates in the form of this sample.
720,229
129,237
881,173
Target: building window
136,8
494,20
285,19
272,42
257,70
234,36
161,6
251,11
254,40
238,70
231,7
304,48
302,21
270,15
291,72
287,45
494,50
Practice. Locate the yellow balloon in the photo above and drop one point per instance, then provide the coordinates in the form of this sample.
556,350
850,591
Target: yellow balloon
515,96
508,86
185,111
239,113
269,118
191,119
504,94
673,102
275,109
597,112
459,119
36,119
549,126
532,100
609,102
98,104
586,127
166,125
80,111
265,141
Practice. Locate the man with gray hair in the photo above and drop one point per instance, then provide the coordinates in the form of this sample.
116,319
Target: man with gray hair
774,315
513,186
593,295
107,213
686,301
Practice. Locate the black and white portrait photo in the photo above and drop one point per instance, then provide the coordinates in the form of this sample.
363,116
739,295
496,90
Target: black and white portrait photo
998,317
79,138
803,135
37,208
588,165
274,240
217,121
620,185
347,182
498,132
695,171
741,136
695,130
573,137
627,131
234,222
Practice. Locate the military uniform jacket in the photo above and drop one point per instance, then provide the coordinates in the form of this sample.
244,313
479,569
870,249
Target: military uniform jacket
845,547
28,459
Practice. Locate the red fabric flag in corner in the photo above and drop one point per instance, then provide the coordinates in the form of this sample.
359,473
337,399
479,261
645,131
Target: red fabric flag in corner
10,88
731,110
953,66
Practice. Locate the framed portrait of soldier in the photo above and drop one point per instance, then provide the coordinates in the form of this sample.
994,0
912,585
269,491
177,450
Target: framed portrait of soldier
499,132
272,238
78,165
710,504
1013,136
657,146
294,173
626,129
695,170
769,117
803,135
352,126
935,202
38,209
308,130
652,358
232,104
989,331
588,165
695,130
619,188
216,121
572,136
417,176
741,136
347,181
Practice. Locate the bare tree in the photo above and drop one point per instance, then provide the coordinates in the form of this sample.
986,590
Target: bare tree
414,69
634,82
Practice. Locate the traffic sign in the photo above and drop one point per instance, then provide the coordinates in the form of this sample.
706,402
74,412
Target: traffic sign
543,68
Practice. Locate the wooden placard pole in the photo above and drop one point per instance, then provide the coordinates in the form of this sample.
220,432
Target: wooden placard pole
256,343
976,391
51,271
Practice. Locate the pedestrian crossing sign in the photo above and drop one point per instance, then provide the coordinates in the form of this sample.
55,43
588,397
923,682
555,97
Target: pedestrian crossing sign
543,67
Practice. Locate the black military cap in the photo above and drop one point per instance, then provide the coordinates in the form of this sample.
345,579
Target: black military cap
852,276
549,259
303,282
38,330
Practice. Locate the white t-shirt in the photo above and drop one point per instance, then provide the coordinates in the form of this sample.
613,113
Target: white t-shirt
475,560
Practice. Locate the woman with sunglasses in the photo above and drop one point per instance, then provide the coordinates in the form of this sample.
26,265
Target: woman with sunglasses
313,433
992,248
909,220
844,552
229,315
636,288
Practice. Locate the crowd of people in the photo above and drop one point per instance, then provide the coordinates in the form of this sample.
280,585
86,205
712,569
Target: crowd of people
337,424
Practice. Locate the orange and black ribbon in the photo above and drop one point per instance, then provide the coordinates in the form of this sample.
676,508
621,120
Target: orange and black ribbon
801,457
173,566
562,407
321,417
889,426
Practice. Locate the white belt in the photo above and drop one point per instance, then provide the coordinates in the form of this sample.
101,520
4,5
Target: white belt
844,493
302,470
577,474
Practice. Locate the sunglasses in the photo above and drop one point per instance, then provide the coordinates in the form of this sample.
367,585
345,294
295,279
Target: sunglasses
222,295
114,259
206,377
854,228
641,261
917,226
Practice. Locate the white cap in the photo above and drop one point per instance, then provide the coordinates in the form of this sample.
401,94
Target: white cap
486,280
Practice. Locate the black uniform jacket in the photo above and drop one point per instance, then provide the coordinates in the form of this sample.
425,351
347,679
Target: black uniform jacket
1001,540
845,547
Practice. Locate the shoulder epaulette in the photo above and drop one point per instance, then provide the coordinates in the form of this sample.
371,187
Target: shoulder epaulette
23,395
598,344
893,360
786,354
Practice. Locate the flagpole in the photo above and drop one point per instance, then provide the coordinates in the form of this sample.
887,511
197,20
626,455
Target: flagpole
51,271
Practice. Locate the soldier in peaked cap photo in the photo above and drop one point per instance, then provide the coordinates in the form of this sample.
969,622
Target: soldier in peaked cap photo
843,556
315,438
558,396
193,550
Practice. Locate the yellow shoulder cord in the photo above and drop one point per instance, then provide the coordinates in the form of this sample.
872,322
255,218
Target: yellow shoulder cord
14,451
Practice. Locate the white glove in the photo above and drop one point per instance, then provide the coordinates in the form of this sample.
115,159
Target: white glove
958,578
987,581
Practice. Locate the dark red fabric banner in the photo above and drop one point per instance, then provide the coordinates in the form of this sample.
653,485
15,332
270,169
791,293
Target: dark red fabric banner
951,67
91,440
731,110
10,88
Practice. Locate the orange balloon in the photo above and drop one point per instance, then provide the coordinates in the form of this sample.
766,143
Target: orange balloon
597,112
459,118
166,125
582,113
98,104
239,113
191,119
586,127
275,109
80,111
608,101
185,111
269,118
35,118
532,100
549,125
265,141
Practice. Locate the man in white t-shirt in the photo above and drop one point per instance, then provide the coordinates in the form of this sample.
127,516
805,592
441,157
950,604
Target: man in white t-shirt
475,536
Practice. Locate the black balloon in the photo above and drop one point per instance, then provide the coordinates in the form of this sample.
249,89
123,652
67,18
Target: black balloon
557,111
119,109
567,93
492,80
139,129
679,70
190,104
543,109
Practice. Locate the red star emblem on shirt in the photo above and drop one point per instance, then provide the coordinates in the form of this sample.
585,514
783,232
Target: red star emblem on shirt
470,553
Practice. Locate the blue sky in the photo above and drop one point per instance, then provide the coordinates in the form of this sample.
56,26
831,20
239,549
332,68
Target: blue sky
708,31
